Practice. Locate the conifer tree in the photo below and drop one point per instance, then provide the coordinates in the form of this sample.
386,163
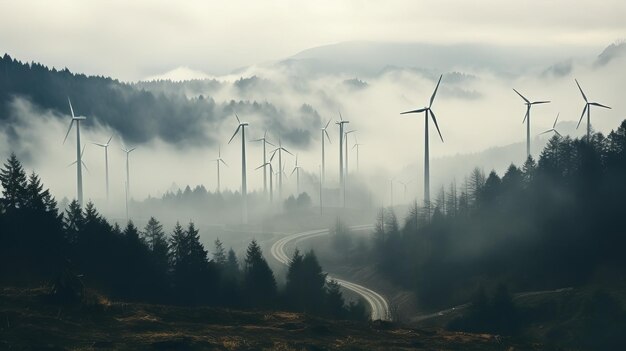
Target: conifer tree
259,282
13,181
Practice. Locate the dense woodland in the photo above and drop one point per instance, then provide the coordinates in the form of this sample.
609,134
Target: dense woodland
143,111
79,250
553,223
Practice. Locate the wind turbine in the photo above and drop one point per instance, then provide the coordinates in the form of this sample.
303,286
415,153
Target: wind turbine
219,160
346,143
588,110
296,169
527,118
391,192
127,151
428,110
324,133
264,140
79,163
244,191
553,129
405,184
281,169
342,183
267,164
356,146
82,153
106,162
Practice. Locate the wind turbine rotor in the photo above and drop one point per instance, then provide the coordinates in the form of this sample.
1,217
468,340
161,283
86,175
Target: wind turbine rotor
432,98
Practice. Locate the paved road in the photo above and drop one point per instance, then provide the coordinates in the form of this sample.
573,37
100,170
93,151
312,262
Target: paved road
420,318
378,304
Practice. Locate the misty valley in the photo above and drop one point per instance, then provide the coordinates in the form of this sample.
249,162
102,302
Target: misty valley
362,195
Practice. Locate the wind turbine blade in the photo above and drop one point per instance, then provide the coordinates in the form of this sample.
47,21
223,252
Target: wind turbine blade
600,105
540,102
238,120
84,165
526,115
327,136
547,131
224,162
71,164
355,145
557,118
265,134
261,166
414,111
522,96
327,123
111,138
131,150
236,130
68,131
293,170
581,90
103,145
557,132
340,116
71,109
432,98
83,151
256,140
287,151
432,114
269,143
582,115
273,154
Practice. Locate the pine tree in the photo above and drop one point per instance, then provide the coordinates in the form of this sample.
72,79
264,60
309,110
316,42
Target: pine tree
259,282
334,301
155,238
13,181
73,222
219,255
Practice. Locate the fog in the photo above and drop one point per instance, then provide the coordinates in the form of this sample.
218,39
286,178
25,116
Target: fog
476,110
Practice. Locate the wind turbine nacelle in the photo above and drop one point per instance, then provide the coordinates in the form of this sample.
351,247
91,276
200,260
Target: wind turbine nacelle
80,118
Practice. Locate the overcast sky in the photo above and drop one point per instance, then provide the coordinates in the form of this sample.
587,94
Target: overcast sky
138,39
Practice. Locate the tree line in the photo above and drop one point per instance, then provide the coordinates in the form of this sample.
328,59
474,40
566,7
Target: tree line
552,223
80,248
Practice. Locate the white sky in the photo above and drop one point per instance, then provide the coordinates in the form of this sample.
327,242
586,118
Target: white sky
139,39
132,40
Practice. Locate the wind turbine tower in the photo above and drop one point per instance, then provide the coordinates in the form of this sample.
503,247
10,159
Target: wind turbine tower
342,183
588,110
219,160
106,162
428,110
79,163
356,146
127,151
296,169
264,140
244,191
281,171
271,172
527,119
324,133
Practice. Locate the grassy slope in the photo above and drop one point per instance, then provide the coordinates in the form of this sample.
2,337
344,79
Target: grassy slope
27,321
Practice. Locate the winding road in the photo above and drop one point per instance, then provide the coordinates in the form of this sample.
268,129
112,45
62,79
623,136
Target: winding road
379,305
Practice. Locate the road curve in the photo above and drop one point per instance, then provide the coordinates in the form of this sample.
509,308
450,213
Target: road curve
378,304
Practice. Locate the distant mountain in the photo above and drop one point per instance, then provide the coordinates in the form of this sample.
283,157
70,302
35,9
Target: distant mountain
369,58
611,52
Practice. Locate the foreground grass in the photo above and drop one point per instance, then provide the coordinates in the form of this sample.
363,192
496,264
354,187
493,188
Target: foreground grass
29,321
